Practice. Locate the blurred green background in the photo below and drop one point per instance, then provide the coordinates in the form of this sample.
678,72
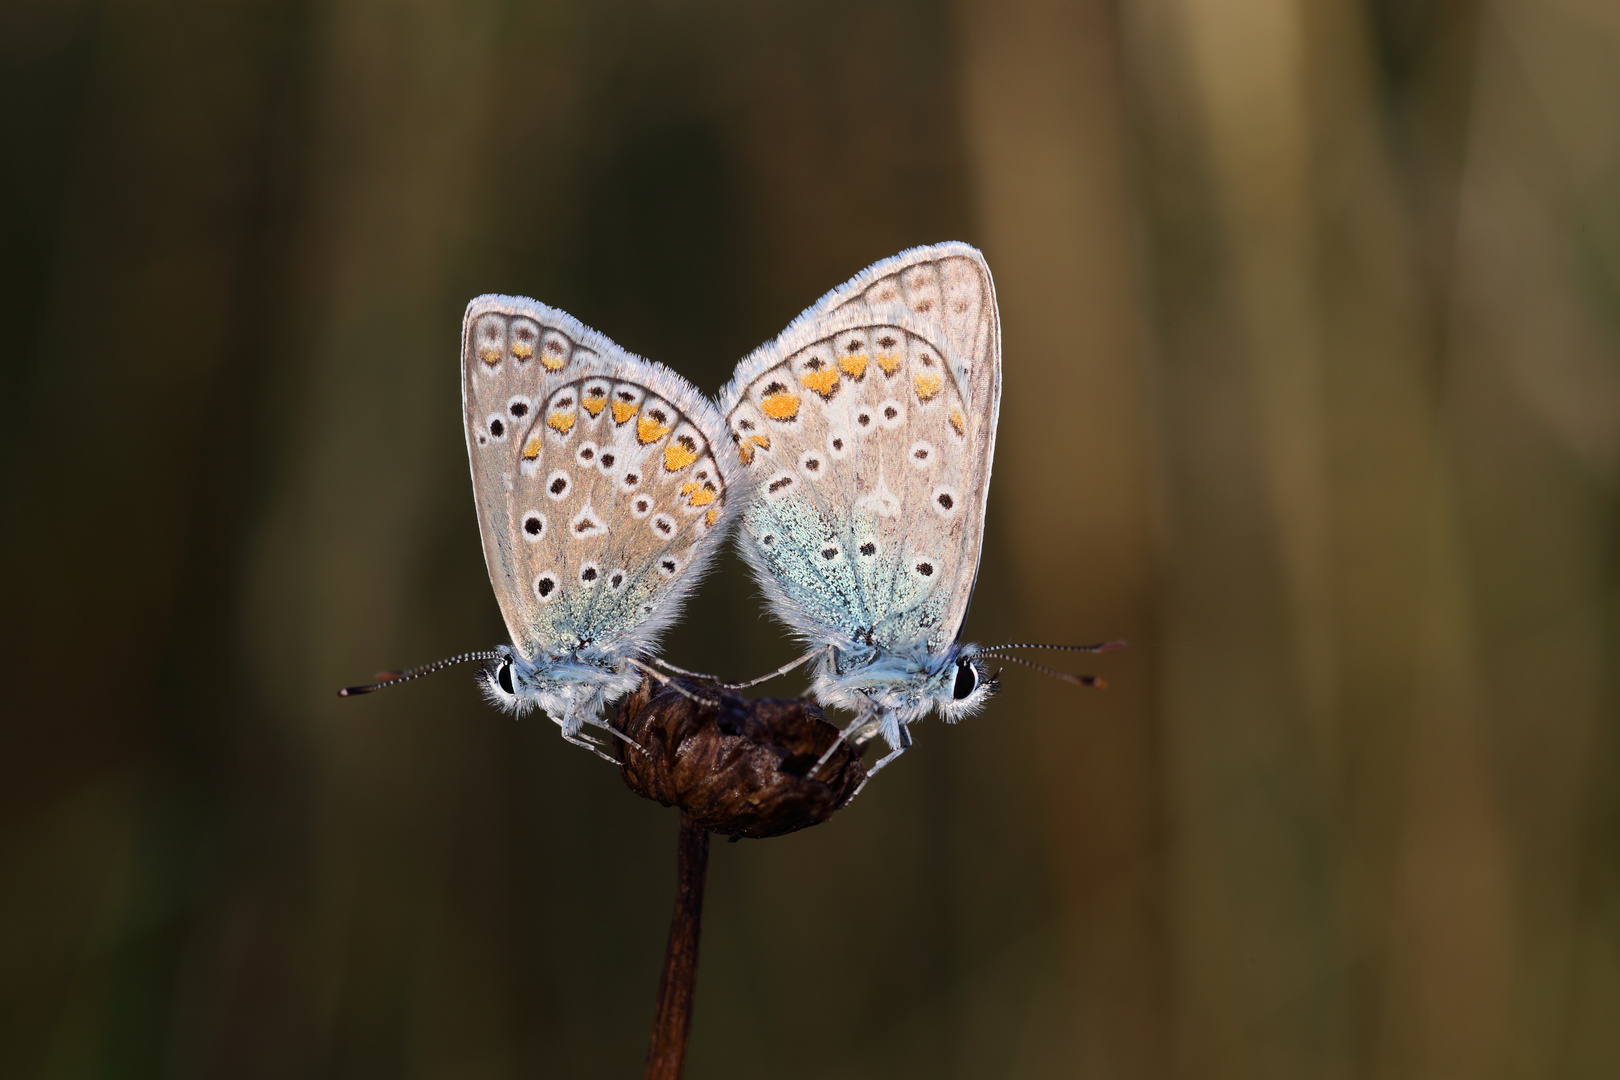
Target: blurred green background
1312,353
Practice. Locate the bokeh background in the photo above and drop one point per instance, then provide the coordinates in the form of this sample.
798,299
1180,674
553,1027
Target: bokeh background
1312,328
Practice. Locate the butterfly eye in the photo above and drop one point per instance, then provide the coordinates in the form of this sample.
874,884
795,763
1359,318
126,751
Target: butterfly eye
967,680
503,677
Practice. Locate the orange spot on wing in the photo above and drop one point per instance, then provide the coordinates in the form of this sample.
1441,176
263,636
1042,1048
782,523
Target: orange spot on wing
703,496
712,516
490,356
823,382
958,422
622,411
531,451
522,350
561,422
745,450
594,406
678,457
853,365
927,386
649,430
889,362
761,441
782,406
554,355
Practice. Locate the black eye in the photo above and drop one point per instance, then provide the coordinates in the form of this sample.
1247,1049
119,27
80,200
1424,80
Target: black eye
503,676
966,680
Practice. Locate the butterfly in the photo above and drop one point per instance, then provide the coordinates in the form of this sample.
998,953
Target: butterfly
603,484
869,427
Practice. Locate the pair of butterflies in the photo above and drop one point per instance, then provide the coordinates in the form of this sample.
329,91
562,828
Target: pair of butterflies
854,452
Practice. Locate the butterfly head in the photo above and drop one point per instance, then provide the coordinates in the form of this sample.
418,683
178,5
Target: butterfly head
967,684
909,682
501,679
570,688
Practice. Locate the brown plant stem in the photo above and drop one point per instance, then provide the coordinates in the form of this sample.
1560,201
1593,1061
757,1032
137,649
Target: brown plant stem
672,1020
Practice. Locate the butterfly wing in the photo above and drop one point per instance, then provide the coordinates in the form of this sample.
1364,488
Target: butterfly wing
869,428
950,285
602,480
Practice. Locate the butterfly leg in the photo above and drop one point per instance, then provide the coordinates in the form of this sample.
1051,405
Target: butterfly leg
667,666
588,743
783,670
664,680
898,736
853,734
628,741
862,737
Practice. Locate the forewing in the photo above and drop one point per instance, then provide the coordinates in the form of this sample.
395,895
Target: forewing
869,437
948,285
601,479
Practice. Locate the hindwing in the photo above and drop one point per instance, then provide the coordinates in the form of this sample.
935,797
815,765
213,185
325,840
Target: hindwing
868,428
602,480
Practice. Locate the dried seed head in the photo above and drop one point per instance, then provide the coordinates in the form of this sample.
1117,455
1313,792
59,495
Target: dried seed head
736,766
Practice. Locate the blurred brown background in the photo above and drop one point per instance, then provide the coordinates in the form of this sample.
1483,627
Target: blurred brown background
1312,329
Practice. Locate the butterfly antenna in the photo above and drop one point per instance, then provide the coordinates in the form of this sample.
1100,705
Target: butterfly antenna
390,678
1106,646
1077,680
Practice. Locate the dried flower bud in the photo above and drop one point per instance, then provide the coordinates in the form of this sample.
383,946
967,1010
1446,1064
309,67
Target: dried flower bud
736,766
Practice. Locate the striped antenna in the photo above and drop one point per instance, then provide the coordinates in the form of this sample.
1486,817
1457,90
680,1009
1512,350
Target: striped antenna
1077,680
1106,646
389,678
